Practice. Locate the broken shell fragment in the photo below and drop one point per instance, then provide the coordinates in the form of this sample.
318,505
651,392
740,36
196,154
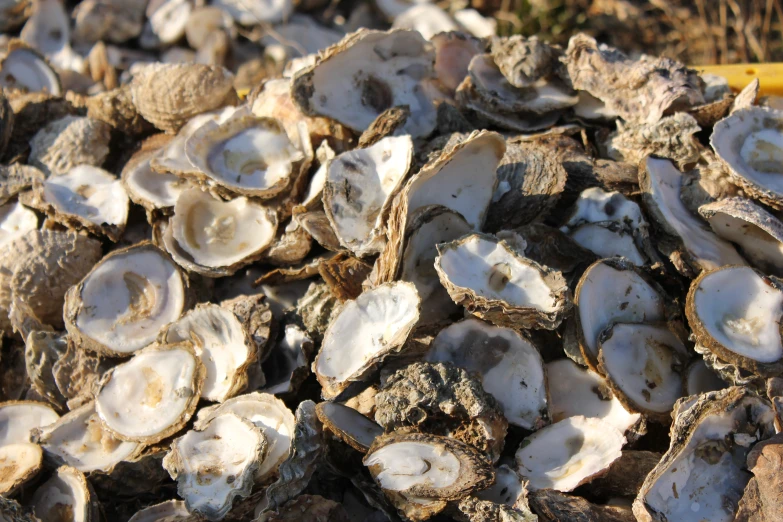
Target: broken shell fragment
698,248
168,511
19,463
644,365
426,466
585,449
17,178
18,419
69,142
705,464
510,367
79,439
359,188
348,425
267,413
218,236
15,221
364,333
366,73
245,155
602,284
23,68
216,464
86,197
66,495
222,344
757,233
289,362
748,142
699,378
119,307
153,395
157,192
496,283
744,329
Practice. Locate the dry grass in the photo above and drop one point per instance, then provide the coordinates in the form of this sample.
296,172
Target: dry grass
696,31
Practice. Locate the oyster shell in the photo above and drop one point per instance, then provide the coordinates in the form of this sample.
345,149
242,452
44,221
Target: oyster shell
509,365
415,465
215,464
311,507
504,288
15,221
366,73
223,345
748,144
672,137
711,438
86,197
17,178
442,399
124,300
168,95
359,188
588,447
19,464
644,365
166,21
23,68
638,91
363,333
79,439
66,495
289,361
215,237
742,330
267,413
758,233
596,296
168,511
69,142
348,425
699,378
245,154
153,395
267,11
108,20
693,247
18,419
764,461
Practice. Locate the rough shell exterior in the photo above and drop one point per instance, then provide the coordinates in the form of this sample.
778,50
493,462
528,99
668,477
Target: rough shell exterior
68,142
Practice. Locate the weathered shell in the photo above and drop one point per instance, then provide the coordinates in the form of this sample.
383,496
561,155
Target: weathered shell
68,142
101,20
68,491
24,68
16,178
672,137
168,95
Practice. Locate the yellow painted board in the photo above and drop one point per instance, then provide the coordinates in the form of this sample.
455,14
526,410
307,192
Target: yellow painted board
739,75
242,93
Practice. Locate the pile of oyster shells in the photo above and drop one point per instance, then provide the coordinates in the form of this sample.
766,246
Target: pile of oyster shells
414,273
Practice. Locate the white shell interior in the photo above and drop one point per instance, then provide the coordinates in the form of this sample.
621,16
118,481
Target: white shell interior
574,390
17,462
742,312
17,420
149,393
645,361
169,511
81,441
418,261
219,340
216,463
491,270
352,423
510,367
220,233
160,189
701,379
596,205
259,11
568,453
507,488
169,19
24,69
465,183
609,295
708,250
287,356
360,184
267,413
129,297
88,192
63,497
376,73
606,243
15,221
406,464
757,244
377,322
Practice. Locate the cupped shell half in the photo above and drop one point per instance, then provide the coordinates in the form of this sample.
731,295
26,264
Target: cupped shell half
245,155
19,464
348,425
735,312
121,304
153,395
155,191
24,68
216,464
364,333
67,495
496,283
367,72
18,419
214,237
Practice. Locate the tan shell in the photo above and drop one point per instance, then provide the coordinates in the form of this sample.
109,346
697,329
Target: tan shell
68,142
16,178
116,108
168,95
19,50
39,267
